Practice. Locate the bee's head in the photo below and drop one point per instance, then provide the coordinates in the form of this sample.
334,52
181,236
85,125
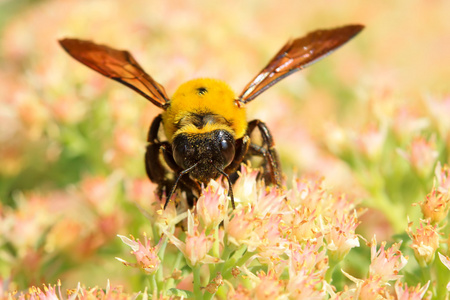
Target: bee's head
211,151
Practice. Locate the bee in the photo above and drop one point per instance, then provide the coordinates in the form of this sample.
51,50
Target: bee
206,131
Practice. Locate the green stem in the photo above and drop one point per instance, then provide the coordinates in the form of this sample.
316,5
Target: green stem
197,282
169,283
216,245
237,260
442,278
332,264
154,284
160,273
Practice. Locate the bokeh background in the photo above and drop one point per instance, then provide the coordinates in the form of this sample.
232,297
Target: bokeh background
72,142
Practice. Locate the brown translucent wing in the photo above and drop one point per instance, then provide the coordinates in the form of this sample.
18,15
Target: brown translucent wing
118,65
296,55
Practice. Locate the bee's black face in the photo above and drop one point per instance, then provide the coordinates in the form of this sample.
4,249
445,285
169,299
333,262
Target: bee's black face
211,150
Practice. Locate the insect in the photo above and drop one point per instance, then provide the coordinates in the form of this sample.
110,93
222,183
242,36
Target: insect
204,123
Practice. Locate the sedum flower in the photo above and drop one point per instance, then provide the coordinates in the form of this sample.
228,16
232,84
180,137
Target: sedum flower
165,219
421,156
370,142
304,224
442,174
373,287
308,192
438,110
341,236
268,201
246,186
307,267
239,229
407,122
404,292
306,285
436,205
386,263
310,257
425,241
268,286
146,255
46,293
268,239
196,246
212,205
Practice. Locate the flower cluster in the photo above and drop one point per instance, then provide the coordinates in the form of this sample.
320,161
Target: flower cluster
271,233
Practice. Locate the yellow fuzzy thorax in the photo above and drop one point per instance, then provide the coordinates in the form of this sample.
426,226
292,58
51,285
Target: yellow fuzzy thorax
200,96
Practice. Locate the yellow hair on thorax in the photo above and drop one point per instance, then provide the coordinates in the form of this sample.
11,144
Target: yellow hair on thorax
200,96
192,129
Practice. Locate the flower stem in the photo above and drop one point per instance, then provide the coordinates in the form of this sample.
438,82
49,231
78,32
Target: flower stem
197,284
154,284
237,260
442,279
332,263
159,274
169,283
216,245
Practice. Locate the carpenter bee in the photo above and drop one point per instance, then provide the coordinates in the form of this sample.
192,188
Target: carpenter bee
204,123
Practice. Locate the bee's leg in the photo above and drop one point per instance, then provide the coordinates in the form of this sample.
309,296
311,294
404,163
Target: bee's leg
152,136
242,146
156,172
268,152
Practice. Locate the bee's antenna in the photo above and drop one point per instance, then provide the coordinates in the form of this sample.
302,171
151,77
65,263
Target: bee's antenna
176,183
230,189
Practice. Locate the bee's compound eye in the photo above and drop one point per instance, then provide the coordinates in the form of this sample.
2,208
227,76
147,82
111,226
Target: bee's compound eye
227,149
182,152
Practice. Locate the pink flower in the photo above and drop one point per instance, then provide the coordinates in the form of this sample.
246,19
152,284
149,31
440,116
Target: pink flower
439,110
425,242
386,263
239,229
308,192
246,186
212,205
370,142
341,236
268,238
196,246
372,288
146,255
407,122
304,225
421,156
411,293
269,200
46,293
306,285
269,286
442,174
436,205
310,257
